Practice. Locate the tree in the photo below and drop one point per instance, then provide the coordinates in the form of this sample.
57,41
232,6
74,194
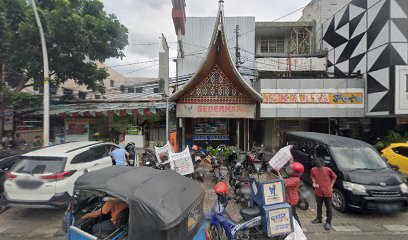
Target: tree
78,33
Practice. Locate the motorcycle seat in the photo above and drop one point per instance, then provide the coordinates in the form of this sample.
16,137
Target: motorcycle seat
249,213
243,179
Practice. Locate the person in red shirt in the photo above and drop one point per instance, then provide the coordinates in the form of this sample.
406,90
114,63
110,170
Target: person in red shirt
291,186
323,181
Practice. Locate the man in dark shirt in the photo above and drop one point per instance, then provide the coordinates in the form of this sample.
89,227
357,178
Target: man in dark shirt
323,181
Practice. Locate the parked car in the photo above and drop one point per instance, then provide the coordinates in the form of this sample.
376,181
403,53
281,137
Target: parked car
7,159
45,178
397,154
365,181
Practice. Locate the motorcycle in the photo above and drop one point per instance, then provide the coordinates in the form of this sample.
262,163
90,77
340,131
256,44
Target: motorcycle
220,222
216,169
304,194
149,159
131,149
199,171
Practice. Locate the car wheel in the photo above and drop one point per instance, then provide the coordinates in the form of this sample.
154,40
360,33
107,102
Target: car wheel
2,203
338,200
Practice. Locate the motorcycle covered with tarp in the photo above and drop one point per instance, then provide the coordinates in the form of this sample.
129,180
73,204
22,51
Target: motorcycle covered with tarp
161,205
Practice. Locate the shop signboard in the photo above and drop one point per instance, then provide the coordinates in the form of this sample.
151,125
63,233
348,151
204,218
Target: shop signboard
77,129
401,90
313,98
182,162
165,149
216,110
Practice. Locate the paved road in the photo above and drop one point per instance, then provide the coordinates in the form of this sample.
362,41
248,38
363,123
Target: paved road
16,224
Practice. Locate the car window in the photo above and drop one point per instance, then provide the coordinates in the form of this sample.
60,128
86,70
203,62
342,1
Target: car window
403,151
39,165
358,158
82,157
99,152
322,152
305,146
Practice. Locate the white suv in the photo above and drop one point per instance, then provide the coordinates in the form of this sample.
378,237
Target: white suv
45,178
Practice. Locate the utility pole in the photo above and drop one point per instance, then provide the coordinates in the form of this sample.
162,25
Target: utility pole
238,61
164,78
46,96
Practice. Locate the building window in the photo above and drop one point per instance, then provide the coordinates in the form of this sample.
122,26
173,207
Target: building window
112,83
82,95
97,96
156,90
131,90
139,90
271,44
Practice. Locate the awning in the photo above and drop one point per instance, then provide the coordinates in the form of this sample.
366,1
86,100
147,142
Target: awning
103,109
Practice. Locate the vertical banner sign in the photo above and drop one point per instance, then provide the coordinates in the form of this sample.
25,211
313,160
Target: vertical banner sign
165,149
8,119
182,162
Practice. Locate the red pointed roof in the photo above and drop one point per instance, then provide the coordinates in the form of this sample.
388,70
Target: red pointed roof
217,80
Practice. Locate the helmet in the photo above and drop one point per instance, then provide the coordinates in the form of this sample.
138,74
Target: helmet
195,147
221,188
297,168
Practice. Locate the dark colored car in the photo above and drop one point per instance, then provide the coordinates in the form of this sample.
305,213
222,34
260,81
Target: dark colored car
364,180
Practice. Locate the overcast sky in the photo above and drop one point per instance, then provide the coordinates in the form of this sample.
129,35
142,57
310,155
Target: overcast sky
147,19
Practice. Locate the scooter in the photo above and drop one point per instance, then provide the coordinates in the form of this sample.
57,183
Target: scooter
216,169
303,193
199,171
220,222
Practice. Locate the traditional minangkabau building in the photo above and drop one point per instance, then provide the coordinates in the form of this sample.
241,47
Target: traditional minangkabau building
215,106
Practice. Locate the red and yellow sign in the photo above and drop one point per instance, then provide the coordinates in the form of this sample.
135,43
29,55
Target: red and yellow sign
306,96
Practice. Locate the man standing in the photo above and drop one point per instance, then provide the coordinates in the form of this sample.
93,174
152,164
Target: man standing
323,181
120,156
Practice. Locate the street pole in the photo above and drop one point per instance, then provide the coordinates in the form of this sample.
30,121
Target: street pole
46,96
164,78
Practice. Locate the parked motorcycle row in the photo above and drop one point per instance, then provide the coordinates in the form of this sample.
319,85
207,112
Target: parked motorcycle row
240,165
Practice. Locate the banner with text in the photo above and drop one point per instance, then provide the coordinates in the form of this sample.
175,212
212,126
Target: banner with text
182,162
313,98
165,149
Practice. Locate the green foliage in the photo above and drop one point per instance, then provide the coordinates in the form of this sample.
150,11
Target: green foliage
392,137
19,100
78,34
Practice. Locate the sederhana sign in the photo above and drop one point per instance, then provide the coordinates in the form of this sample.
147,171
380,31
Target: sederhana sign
216,110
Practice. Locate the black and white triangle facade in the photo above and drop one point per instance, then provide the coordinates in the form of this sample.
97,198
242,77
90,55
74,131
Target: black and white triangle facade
371,37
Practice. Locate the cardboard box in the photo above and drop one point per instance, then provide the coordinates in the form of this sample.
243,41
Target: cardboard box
265,193
277,219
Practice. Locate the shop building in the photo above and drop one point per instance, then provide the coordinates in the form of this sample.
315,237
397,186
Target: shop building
217,104
298,94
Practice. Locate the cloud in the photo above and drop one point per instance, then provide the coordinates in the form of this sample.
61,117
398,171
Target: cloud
147,19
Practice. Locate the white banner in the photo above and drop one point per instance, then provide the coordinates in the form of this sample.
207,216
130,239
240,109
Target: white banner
281,157
182,162
165,149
